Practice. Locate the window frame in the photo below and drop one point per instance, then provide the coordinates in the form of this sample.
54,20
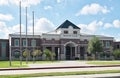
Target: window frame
65,32
33,43
24,42
107,44
16,45
74,32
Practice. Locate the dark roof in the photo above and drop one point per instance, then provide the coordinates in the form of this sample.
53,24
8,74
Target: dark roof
66,24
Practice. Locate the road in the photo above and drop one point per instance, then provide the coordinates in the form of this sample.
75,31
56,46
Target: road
11,72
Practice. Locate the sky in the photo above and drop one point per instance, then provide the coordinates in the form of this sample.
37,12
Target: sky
99,17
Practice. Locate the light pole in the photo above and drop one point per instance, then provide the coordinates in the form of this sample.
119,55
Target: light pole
33,42
10,59
20,38
26,38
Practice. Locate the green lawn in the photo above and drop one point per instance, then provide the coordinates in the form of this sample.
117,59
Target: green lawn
60,74
104,62
5,64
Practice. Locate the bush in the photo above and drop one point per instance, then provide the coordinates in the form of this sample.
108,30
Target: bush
116,54
90,58
76,58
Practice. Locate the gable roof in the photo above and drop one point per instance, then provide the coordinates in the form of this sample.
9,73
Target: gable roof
66,24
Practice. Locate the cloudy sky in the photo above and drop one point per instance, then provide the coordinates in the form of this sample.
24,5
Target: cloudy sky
100,17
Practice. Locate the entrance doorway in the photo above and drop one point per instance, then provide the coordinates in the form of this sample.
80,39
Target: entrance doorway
70,51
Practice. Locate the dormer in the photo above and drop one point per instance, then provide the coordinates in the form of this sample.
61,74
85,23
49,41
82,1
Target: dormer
68,27
66,24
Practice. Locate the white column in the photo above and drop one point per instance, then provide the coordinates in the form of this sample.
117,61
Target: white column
70,52
75,51
64,52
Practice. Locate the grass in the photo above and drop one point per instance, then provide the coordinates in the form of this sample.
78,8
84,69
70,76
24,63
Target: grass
104,62
60,74
16,64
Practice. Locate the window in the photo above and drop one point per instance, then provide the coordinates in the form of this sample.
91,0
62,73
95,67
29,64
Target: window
102,43
65,32
107,44
3,44
74,32
118,46
24,43
16,42
33,43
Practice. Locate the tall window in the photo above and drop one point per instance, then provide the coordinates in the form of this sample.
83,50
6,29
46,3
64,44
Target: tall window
65,32
24,43
33,43
3,49
3,44
74,32
16,42
107,44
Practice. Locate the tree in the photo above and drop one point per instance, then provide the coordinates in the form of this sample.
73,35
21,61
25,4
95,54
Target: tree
49,54
95,46
53,55
36,53
26,55
116,54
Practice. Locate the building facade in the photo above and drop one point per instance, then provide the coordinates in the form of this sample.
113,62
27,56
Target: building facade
67,42
4,49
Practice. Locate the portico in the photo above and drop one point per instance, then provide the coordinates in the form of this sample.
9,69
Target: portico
70,50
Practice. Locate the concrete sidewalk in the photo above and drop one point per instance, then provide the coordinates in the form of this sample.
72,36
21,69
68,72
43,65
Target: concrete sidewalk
114,75
61,64
58,64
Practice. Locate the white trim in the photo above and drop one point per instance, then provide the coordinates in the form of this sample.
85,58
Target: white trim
70,43
23,36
